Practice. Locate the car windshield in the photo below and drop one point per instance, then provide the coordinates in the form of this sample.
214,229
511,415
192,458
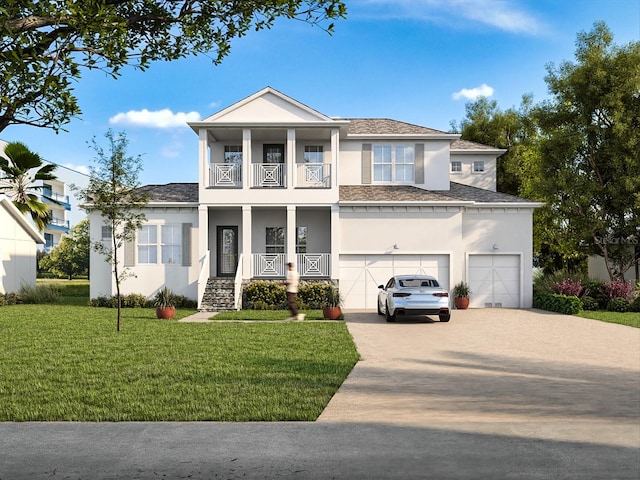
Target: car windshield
418,282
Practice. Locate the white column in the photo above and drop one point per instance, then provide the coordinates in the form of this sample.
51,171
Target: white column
335,241
291,234
291,157
246,158
203,249
246,242
203,158
335,147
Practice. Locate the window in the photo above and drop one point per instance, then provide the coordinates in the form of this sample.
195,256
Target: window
233,154
48,240
478,166
301,240
106,232
313,154
148,244
456,167
393,163
171,244
274,240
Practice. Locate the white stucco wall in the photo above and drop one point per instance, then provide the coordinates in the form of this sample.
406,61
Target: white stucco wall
485,180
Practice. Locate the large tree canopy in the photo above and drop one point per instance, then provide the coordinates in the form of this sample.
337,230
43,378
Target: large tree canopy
590,150
45,44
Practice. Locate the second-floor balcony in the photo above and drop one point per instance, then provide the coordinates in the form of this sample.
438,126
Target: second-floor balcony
269,175
58,224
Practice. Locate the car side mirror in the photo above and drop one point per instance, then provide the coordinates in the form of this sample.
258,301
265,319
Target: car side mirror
381,286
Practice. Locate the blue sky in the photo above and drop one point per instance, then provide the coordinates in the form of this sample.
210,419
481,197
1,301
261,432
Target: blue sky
417,61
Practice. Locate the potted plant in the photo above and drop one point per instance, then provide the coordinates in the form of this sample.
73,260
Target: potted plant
461,294
164,302
332,309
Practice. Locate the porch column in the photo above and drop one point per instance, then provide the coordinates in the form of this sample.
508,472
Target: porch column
246,158
335,242
291,234
335,147
291,157
204,255
246,242
203,160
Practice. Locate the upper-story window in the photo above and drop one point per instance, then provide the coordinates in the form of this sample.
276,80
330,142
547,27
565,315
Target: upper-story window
393,163
478,166
313,154
456,167
233,154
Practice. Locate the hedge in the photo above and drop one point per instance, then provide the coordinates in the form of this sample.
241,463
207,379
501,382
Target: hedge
552,302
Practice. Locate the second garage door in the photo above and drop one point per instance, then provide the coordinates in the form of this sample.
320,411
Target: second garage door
360,275
494,281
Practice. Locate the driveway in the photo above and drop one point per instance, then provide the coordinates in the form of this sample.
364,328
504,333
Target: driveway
499,394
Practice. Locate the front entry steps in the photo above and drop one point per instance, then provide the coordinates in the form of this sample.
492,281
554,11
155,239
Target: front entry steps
218,295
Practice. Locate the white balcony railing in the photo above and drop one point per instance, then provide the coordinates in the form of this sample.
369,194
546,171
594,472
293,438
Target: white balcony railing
313,175
268,175
273,265
225,175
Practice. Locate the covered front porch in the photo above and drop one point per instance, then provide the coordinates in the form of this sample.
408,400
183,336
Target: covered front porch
256,242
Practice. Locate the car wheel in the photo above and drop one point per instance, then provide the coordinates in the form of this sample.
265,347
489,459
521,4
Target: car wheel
379,310
390,318
445,317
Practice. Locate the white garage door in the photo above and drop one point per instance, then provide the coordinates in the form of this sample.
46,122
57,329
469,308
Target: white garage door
360,275
494,281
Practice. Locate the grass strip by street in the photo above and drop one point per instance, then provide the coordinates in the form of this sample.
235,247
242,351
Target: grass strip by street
630,319
67,363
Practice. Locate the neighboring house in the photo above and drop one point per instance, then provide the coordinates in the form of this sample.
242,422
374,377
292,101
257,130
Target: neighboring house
19,242
354,201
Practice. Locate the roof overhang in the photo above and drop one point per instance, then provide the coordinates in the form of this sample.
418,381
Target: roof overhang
22,221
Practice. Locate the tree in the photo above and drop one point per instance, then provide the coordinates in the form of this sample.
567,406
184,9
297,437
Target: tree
23,168
71,256
113,191
44,45
589,166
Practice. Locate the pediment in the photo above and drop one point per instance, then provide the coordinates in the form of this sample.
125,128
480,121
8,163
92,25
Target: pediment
267,106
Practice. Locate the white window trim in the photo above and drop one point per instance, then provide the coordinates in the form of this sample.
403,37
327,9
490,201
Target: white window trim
473,166
455,172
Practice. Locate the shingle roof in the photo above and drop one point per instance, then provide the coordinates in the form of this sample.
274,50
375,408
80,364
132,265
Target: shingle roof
386,126
407,193
172,192
468,145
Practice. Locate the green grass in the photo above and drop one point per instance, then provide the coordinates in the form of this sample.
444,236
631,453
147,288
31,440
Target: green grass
68,363
73,292
631,319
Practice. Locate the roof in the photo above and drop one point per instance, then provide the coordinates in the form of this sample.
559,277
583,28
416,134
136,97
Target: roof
172,192
407,193
386,126
468,145
21,220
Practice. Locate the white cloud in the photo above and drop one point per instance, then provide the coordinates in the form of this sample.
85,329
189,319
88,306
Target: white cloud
164,118
504,15
483,90
78,168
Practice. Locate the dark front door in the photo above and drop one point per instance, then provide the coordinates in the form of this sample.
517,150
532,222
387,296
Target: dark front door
273,153
227,257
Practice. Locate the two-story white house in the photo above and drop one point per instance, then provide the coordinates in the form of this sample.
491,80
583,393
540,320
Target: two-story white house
351,200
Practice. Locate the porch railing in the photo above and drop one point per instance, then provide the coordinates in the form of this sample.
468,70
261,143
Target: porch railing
268,175
273,265
225,175
238,285
313,175
202,277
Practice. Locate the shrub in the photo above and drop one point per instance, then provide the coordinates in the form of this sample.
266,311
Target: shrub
135,300
557,303
38,294
11,298
619,289
184,302
589,303
270,292
569,287
634,306
618,305
546,283
314,295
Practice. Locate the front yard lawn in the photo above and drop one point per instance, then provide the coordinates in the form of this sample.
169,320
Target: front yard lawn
68,363
631,319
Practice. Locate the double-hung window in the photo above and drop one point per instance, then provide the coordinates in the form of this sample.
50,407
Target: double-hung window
171,246
274,241
148,244
393,163
301,240
478,166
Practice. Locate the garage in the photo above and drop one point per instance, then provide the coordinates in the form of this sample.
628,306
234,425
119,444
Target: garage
360,275
494,280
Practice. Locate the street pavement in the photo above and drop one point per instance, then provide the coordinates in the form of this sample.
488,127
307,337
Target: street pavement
493,394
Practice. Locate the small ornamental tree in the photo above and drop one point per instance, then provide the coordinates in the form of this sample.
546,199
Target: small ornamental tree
113,191
71,256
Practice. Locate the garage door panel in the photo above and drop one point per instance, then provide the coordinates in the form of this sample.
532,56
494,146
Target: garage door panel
494,280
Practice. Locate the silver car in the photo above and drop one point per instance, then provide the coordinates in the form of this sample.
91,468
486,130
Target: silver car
413,295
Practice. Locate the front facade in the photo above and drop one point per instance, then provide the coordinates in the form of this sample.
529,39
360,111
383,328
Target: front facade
353,201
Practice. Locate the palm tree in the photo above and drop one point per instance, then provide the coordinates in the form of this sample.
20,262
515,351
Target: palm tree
22,169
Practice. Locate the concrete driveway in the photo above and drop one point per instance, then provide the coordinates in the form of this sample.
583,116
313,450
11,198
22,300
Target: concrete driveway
493,394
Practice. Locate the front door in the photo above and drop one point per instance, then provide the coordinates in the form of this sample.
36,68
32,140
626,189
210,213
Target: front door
227,257
273,168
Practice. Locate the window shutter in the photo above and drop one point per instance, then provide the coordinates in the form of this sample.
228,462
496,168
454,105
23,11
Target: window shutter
366,163
130,252
186,244
419,164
